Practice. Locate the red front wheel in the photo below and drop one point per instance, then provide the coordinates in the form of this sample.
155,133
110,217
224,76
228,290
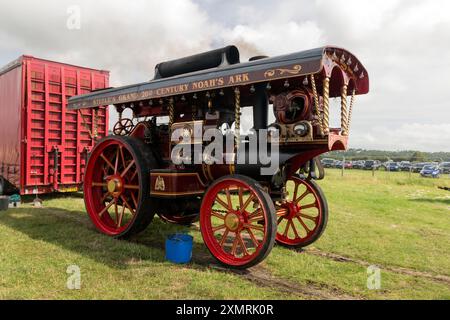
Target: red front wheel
237,221
303,216
116,186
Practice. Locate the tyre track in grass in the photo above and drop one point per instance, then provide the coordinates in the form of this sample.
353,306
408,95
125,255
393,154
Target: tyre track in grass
262,277
400,270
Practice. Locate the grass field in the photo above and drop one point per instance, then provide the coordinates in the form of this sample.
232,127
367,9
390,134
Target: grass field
399,223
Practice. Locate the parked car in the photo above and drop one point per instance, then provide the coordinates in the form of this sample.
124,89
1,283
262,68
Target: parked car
372,164
392,166
445,167
328,163
430,171
338,164
359,164
384,165
417,167
405,166
348,165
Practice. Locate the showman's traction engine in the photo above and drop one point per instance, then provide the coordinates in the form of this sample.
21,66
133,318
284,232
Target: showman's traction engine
136,173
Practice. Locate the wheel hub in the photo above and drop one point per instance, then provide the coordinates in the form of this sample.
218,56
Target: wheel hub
292,210
232,221
115,186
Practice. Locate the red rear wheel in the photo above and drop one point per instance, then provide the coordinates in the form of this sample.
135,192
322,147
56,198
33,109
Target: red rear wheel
116,187
237,221
302,218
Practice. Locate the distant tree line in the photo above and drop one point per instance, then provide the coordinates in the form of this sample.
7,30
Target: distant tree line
407,155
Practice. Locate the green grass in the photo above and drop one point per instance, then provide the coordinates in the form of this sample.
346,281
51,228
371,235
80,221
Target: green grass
390,220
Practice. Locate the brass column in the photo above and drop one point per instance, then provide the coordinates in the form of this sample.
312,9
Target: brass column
352,102
317,103
171,113
326,105
237,123
344,111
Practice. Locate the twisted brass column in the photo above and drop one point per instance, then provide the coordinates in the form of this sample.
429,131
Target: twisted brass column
237,123
317,103
352,102
326,105
171,113
95,124
344,111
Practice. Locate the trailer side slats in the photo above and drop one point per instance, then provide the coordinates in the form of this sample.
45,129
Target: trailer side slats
46,124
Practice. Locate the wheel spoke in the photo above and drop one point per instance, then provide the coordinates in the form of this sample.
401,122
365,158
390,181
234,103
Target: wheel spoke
241,198
122,156
221,227
252,226
286,230
282,212
295,230
217,215
256,214
99,184
302,196
252,236
106,208
235,243
134,175
116,165
312,205
116,211
295,190
104,198
222,203
308,217
107,161
280,219
250,198
303,225
125,202
230,205
224,237
134,199
119,222
127,168
132,187
241,242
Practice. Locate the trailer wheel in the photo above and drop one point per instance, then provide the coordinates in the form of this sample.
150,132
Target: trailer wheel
117,186
303,217
237,221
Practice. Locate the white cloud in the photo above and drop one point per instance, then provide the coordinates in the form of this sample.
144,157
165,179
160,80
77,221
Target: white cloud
402,43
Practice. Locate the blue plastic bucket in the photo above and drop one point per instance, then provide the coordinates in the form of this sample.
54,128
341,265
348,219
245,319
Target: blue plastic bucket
179,248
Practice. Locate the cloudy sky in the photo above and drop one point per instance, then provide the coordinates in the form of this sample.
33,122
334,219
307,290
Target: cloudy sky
404,44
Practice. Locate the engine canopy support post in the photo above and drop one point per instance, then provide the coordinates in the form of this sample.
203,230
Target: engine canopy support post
237,125
344,111
326,105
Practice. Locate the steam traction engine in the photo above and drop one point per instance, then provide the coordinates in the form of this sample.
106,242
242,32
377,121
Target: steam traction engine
131,176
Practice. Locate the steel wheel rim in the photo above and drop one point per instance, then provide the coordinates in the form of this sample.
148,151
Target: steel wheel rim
299,218
112,189
234,236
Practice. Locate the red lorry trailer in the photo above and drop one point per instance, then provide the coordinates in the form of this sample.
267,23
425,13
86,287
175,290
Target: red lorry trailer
44,146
